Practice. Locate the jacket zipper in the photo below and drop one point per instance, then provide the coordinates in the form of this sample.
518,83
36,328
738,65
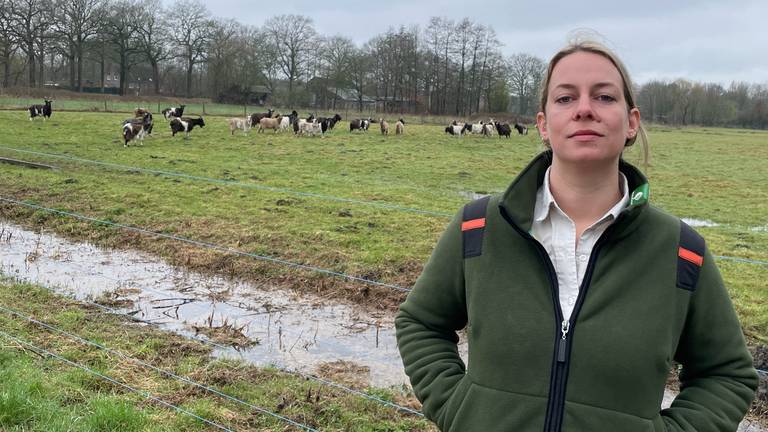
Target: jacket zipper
562,354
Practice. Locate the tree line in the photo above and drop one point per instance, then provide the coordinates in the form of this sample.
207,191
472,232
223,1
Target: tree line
448,67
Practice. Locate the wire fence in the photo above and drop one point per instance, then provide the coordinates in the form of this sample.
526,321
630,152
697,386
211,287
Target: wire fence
146,395
154,368
205,341
212,246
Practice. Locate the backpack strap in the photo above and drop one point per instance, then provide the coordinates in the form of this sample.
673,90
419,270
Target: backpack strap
690,257
473,227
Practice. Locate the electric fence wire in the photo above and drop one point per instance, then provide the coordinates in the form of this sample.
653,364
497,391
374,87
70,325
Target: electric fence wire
206,341
146,395
154,368
211,246
233,183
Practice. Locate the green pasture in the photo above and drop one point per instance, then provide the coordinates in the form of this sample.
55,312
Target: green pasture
708,174
41,393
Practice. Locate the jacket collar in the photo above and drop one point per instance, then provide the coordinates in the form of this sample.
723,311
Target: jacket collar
519,200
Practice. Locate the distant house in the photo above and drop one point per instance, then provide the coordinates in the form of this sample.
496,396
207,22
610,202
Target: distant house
392,104
253,95
324,96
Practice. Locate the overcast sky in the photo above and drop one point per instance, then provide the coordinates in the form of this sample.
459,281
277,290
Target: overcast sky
708,41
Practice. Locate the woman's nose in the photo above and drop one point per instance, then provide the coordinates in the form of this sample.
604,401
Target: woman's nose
584,109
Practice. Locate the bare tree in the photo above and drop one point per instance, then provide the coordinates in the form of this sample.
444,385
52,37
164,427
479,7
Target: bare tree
222,49
121,27
191,32
153,38
338,54
78,21
293,38
525,75
29,21
7,40
359,73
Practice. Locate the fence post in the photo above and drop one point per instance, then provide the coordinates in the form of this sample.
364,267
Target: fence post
105,105
204,108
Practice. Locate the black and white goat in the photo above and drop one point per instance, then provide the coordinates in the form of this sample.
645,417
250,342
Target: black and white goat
43,111
329,122
521,129
360,124
170,113
137,129
185,124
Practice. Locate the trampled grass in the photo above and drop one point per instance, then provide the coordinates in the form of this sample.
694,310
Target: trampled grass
707,174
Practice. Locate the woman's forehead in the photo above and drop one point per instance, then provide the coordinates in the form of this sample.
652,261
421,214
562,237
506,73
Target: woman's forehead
582,68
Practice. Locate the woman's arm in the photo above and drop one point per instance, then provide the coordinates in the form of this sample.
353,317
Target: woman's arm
427,324
718,379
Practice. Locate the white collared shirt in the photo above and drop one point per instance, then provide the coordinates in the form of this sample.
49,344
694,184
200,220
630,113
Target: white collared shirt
557,233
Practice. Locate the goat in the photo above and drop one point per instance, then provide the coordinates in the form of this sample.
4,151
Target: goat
236,123
269,123
360,124
457,130
311,128
384,127
169,113
185,124
476,128
521,129
139,112
256,117
399,127
134,128
503,129
44,110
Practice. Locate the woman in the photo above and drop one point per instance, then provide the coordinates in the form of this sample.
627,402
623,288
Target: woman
577,295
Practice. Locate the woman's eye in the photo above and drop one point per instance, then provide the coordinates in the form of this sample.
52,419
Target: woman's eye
563,99
606,98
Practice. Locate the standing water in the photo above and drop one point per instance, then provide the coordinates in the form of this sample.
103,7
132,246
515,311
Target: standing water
262,326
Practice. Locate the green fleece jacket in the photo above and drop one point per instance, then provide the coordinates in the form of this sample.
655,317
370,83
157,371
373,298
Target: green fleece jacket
608,371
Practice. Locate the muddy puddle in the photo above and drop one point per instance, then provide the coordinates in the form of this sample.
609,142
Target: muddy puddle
265,327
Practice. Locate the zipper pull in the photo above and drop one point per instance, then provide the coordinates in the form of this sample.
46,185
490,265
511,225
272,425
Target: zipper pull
565,326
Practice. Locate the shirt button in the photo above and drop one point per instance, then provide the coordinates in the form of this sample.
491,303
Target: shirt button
582,257
571,300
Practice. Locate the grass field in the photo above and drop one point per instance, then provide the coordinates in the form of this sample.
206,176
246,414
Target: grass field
42,393
708,174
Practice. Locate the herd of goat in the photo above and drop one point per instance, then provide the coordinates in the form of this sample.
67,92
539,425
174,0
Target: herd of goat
138,127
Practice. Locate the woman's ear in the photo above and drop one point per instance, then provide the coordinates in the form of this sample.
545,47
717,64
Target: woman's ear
541,124
634,123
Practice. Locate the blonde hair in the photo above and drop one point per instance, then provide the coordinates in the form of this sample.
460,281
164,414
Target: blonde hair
594,47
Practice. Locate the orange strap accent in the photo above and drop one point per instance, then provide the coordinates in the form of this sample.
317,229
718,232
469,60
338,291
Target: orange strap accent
473,224
690,256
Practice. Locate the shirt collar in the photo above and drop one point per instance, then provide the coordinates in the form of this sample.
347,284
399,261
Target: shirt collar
545,201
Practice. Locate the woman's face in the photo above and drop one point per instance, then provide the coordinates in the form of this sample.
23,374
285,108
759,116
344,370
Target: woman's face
586,118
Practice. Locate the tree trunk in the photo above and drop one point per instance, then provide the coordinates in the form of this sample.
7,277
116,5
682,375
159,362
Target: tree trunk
156,76
71,61
79,53
190,66
31,64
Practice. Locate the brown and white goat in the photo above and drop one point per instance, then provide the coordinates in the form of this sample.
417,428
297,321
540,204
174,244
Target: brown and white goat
399,127
137,129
